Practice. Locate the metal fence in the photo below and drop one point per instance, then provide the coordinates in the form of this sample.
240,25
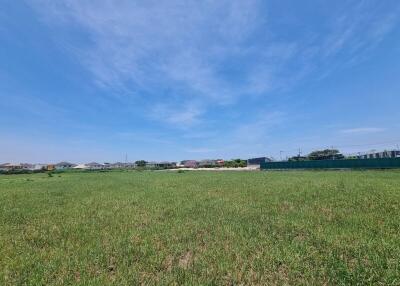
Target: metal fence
378,163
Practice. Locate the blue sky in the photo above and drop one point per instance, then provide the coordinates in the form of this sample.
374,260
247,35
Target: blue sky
171,80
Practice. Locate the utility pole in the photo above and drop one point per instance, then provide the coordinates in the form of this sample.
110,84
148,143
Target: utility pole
280,155
126,158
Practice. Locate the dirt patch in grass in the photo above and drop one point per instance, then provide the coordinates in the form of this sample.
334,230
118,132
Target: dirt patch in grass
186,260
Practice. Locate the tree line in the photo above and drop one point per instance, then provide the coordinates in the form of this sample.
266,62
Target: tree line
327,154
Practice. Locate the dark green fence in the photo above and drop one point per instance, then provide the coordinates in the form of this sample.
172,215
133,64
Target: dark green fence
381,163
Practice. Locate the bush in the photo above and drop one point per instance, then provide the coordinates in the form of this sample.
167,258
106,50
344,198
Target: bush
16,172
236,163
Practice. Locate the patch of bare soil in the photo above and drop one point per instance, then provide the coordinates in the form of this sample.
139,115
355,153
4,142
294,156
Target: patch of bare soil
185,261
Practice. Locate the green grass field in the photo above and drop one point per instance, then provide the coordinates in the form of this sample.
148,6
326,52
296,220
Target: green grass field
209,228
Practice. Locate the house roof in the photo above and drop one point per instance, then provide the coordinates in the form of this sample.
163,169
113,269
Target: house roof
27,165
190,163
10,165
65,163
93,164
80,166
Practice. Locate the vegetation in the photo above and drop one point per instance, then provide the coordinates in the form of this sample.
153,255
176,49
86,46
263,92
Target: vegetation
209,228
20,171
235,163
298,158
141,163
327,154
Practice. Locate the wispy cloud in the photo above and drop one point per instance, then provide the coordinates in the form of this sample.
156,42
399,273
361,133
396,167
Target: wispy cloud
200,150
196,54
187,48
362,130
357,31
32,106
180,115
142,137
250,136
166,42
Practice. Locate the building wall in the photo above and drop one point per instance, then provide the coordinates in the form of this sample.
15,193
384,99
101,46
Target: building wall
257,161
376,163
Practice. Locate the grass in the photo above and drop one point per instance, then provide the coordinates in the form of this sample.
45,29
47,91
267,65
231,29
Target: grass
213,228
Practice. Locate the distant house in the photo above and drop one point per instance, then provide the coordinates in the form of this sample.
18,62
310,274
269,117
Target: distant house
190,163
27,166
94,166
151,164
50,167
5,166
10,167
129,165
166,165
384,154
39,167
23,166
16,166
64,165
207,163
80,166
117,165
257,161
160,165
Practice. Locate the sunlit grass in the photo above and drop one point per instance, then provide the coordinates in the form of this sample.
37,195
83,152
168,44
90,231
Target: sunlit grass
127,228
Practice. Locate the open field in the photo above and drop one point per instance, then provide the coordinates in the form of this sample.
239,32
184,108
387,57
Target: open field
214,228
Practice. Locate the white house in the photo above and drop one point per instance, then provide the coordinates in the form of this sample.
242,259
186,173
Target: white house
117,165
64,165
80,166
5,167
39,167
27,166
94,166
10,167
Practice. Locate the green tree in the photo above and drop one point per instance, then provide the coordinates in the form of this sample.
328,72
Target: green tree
327,154
297,158
235,163
141,163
